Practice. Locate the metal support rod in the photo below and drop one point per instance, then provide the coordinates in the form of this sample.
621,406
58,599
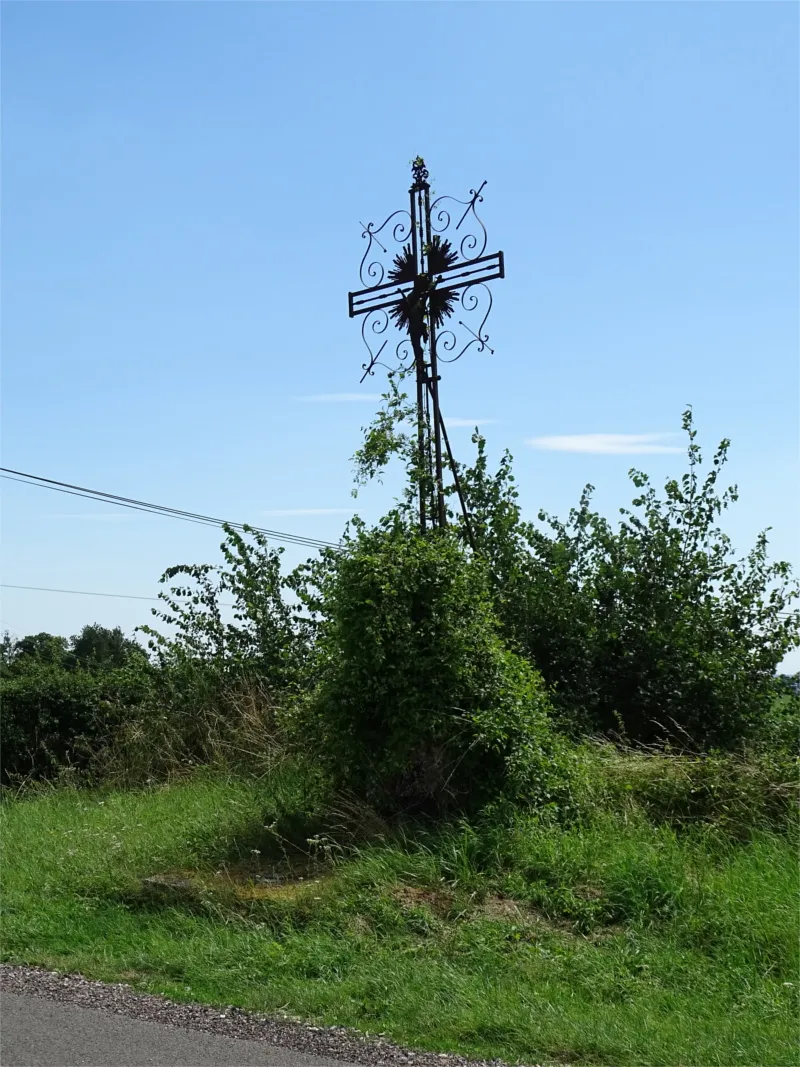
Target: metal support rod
434,366
423,525
457,480
431,481
412,196
437,428
421,448
416,324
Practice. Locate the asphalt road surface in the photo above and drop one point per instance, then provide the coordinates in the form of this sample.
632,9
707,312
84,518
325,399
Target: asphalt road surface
36,1032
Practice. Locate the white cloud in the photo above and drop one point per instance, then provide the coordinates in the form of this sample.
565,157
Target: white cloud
469,422
308,511
339,398
611,444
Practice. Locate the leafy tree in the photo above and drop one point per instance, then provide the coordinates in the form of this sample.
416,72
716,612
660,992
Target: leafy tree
789,684
261,637
393,435
98,646
95,647
39,648
657,628
6,650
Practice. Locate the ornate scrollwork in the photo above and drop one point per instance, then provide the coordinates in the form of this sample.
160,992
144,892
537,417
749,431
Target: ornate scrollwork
472,240
475,304
404,350
372,271
376,322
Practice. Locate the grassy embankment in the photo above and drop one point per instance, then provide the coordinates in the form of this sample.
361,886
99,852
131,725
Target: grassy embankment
625,939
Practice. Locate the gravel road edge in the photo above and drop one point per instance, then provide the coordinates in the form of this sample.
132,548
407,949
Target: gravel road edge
334,1042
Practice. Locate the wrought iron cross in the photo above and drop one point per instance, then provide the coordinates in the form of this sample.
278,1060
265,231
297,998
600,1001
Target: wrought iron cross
428,279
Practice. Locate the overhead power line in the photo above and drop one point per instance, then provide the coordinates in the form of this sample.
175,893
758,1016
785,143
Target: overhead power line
89,592
130,596
157,509
79,592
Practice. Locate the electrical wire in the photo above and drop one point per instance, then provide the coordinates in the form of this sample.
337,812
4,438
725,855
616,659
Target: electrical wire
90,592
152,509
79,592
156,509
130,596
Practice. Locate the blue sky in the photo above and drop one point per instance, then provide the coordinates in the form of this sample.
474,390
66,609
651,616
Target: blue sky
183,185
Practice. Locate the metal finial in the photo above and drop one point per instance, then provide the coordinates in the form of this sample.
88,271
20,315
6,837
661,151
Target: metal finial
419,171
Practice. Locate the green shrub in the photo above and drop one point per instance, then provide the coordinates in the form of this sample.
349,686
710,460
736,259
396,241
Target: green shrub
649,631
417,703
54,717
215,677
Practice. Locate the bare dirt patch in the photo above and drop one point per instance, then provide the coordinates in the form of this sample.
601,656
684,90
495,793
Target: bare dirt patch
230,884
439,901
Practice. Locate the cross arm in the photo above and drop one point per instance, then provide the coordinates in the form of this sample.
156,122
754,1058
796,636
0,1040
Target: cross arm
459,276
471,271
377,296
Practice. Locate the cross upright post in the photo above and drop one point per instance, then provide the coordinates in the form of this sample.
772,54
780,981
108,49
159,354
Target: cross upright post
426,281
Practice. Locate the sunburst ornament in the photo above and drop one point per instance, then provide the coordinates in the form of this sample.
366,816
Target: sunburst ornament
440,305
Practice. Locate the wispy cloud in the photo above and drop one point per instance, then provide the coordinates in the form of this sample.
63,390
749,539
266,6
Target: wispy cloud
308,511
339,398
469,422
611,444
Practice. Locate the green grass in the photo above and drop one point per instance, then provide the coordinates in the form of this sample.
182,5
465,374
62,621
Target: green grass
616,942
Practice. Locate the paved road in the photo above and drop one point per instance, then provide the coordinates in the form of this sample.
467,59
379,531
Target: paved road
35,1032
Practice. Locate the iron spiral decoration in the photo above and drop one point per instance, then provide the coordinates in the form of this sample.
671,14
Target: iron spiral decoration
471,240
472,300
373,271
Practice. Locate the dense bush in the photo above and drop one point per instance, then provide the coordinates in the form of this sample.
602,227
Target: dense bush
63,699
652,630
97,704
55,717
232,649
779,731
417,702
